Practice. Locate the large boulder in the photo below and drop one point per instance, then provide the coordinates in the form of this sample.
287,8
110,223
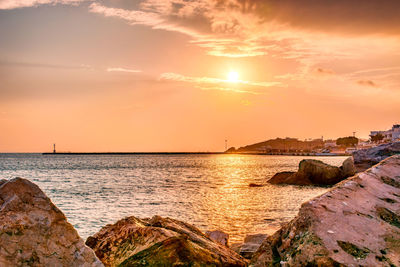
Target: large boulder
356,223
318,172
315,172
365,158
34,232
159,241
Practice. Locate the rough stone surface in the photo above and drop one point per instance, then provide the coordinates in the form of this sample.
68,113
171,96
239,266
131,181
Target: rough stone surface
318,172
219,237
34,232
251,244
348,168
356,223
159,242
365,158
315,172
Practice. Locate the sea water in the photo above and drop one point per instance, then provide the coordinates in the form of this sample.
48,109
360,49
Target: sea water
208,191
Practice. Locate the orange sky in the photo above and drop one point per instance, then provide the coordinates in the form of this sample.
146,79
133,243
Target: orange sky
151,75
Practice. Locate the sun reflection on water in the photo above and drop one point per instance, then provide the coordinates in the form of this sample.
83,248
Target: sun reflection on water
209,191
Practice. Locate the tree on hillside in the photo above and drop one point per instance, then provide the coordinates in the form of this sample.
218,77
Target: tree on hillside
347,141
376,138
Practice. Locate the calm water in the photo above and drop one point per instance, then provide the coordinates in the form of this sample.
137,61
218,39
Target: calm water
209,191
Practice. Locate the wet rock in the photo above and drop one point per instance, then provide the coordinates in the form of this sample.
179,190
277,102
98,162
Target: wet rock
219,237
365,158
255,185
356,223
283,178
34,232
161,242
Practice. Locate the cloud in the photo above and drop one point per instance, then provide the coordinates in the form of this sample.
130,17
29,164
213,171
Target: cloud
44,65
302,30
13,4
137,17
123,70
207,83
219,32
324,71
367,83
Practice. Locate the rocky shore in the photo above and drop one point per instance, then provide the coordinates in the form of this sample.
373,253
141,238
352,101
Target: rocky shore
355,223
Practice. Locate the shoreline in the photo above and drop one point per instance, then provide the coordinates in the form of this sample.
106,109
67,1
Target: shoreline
315,154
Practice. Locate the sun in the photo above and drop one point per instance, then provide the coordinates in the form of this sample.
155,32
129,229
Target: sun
233,76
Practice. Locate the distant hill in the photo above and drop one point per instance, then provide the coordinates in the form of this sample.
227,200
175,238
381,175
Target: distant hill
280,145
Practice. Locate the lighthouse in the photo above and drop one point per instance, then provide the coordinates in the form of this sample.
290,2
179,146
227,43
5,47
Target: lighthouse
54,148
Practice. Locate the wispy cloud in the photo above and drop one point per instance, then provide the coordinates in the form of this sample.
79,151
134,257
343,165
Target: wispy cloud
323,71
12,4
44,65
123,70
209,83
367,83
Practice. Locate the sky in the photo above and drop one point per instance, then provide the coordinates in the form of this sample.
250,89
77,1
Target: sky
182,75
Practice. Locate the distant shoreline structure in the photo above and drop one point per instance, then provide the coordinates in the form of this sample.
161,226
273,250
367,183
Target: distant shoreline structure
194,153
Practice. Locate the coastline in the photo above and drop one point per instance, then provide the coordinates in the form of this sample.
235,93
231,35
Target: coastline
197,153
131,241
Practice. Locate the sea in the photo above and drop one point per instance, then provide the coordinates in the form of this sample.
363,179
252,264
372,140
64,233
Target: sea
209,191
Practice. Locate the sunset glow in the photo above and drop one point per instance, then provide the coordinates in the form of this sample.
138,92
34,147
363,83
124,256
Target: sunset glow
147,75
233,77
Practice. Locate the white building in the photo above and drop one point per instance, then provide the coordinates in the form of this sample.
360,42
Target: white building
389,135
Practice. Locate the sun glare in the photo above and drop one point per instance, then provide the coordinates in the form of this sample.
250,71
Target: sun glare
233,77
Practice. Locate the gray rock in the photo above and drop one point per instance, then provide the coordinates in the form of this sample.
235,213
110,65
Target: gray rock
236,247
365,158
219,237
356,223
34,232
251,244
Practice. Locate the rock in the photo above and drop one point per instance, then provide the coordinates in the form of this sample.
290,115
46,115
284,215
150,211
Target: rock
348,168
34,232
236,247
311,172
315,172
318,172
219,237
356,223
161,242
365,158
283,178
251,244
255,185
